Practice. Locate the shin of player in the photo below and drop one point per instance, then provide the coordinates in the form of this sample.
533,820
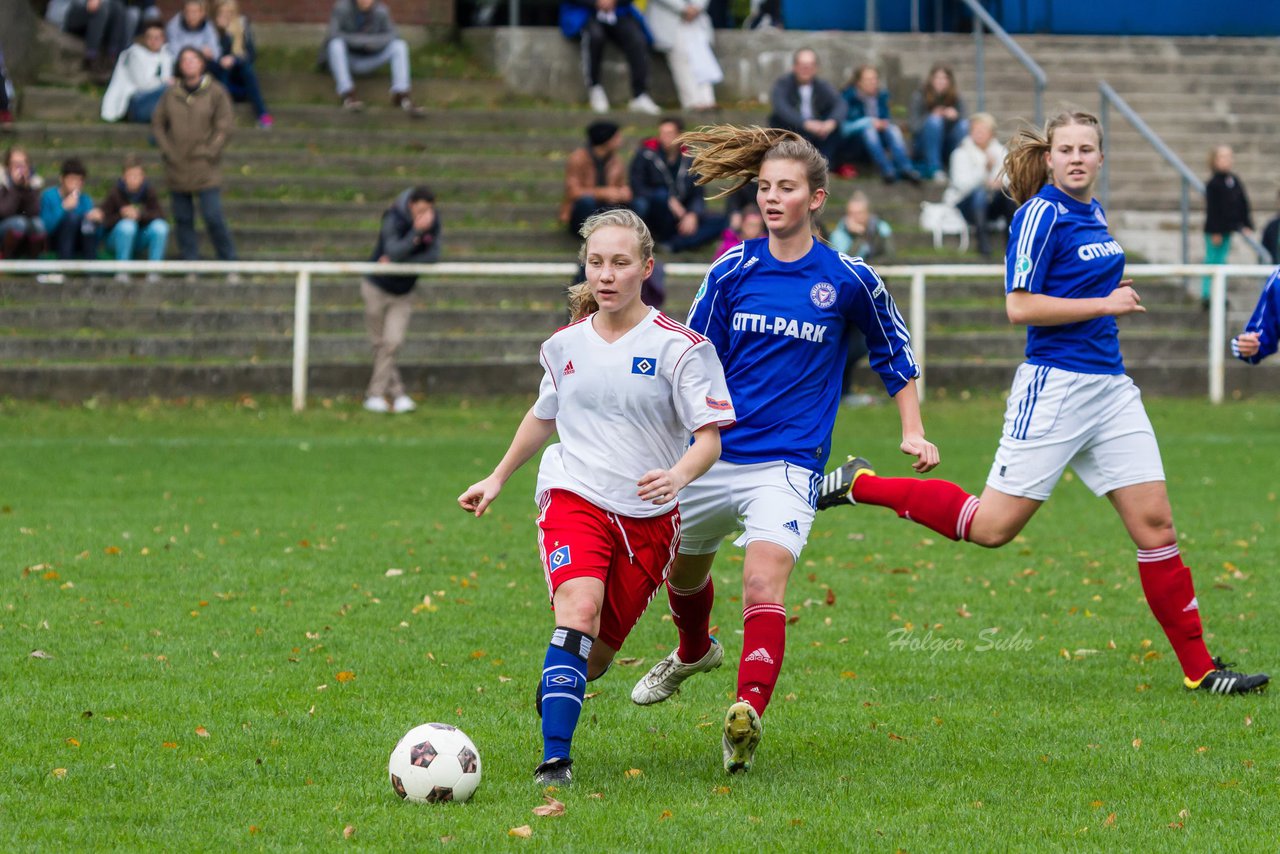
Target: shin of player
1071,404
625,388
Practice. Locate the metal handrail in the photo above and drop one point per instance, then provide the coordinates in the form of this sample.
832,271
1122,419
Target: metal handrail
916,323
984,19
1190,181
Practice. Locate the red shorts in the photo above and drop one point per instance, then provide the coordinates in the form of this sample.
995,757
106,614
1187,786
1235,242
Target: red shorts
577,539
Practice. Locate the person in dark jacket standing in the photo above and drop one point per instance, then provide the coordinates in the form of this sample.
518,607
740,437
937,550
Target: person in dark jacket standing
1226,210
191,126
666,194
361,39
410,234
805,103
133,219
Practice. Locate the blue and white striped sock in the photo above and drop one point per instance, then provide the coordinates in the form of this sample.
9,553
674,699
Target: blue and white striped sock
564,682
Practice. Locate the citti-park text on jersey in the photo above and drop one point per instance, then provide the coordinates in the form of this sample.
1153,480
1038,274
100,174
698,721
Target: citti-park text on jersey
1090,251
744,322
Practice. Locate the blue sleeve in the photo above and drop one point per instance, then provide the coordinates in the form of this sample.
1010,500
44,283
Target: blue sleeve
1265,321
873,311
709,314
1030,251
51,211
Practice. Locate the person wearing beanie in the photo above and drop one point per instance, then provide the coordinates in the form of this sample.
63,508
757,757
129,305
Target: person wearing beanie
595,177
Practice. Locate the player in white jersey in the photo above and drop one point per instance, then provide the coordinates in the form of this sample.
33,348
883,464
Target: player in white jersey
624,387
1072,403
779,310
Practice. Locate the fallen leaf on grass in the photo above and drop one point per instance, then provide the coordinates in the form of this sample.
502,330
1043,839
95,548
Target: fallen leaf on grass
1137,742
596,795
963,611
633,772
170,745
591,695
202,732
504,678
895,737
791,621
344,676
666,814
392,573
1110,820
1095,804
630,662
74,742
253,828
112,550
59,773
720,790
445,840
40,653
831,596
348,831
524,831
550,809
848,674
1248,720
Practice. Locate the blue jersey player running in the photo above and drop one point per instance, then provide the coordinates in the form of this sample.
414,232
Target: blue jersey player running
1262,332
1071,403
779,310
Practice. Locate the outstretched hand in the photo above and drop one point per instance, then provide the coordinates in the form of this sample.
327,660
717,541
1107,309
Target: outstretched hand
925,452
477,497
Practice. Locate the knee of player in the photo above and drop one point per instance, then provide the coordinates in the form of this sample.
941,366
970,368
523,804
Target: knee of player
579,612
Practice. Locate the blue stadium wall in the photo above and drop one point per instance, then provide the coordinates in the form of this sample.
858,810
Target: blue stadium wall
1122,17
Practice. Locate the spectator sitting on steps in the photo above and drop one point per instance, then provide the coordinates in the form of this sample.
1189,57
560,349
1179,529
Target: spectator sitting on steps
142,73
667,195
805,103
134,220
977,182
869,128
22,232
361,39
70,218
595,177
410,234
234,69
593,21
104,26
191,27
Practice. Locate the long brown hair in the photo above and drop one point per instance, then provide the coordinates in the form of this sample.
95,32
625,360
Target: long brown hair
1024,165
581,300
737,153
934,98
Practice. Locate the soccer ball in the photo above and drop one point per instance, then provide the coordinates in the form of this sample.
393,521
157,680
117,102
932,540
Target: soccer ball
434,763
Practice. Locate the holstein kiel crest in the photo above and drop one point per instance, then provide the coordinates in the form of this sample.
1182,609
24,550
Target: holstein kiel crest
823,294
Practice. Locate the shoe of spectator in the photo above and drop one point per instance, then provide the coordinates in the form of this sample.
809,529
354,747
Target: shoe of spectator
402,404
122,278
153,278
6,119
598,100
404,102
912,176
51,278
642,103
847,171
265,122
351,103
940,177
376,404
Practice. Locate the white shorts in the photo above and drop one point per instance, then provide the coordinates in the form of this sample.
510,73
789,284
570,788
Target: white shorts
1094,423
773,502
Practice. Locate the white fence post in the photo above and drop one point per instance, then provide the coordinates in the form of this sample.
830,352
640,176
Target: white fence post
1217,335
917,325
301,338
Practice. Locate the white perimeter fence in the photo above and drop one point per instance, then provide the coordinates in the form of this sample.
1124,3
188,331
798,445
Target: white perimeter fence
919,277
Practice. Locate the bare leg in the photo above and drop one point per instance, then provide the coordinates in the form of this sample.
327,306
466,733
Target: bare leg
1000,518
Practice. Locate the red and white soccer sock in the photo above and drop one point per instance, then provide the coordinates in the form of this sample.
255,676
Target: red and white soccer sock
691,612
939,505
764,640
1166,581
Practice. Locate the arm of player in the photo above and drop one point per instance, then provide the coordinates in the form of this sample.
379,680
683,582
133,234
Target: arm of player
1028,309
661,486
531,435
914,443
1262,333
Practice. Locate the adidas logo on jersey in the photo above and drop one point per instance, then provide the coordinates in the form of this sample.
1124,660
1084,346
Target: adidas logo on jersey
792,526
760,654
752,260
568,369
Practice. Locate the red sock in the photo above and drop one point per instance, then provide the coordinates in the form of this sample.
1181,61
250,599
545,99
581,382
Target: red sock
1166,581
691,610
939,505
764,639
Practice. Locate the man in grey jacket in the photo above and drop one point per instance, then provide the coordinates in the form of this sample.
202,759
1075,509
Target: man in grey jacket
362,38
805,103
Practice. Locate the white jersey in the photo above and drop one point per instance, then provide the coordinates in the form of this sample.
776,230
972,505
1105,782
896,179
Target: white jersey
624,408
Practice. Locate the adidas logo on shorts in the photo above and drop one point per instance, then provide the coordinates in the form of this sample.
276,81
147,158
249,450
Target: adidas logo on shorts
793,527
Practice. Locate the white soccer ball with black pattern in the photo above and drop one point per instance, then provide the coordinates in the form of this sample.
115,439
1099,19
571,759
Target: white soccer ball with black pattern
434,763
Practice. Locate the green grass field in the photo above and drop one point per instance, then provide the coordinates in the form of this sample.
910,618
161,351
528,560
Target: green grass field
225,660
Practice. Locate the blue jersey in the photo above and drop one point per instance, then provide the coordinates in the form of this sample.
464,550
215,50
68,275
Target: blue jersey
781,331
1265,322
1060,247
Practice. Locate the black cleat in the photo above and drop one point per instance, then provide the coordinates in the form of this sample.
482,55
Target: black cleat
1223,680
554,772
837,485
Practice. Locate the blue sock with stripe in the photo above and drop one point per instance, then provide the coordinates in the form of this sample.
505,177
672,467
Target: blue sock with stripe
564,682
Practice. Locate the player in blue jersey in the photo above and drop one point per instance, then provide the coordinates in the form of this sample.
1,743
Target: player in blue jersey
1262,332
779,310
1071,403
